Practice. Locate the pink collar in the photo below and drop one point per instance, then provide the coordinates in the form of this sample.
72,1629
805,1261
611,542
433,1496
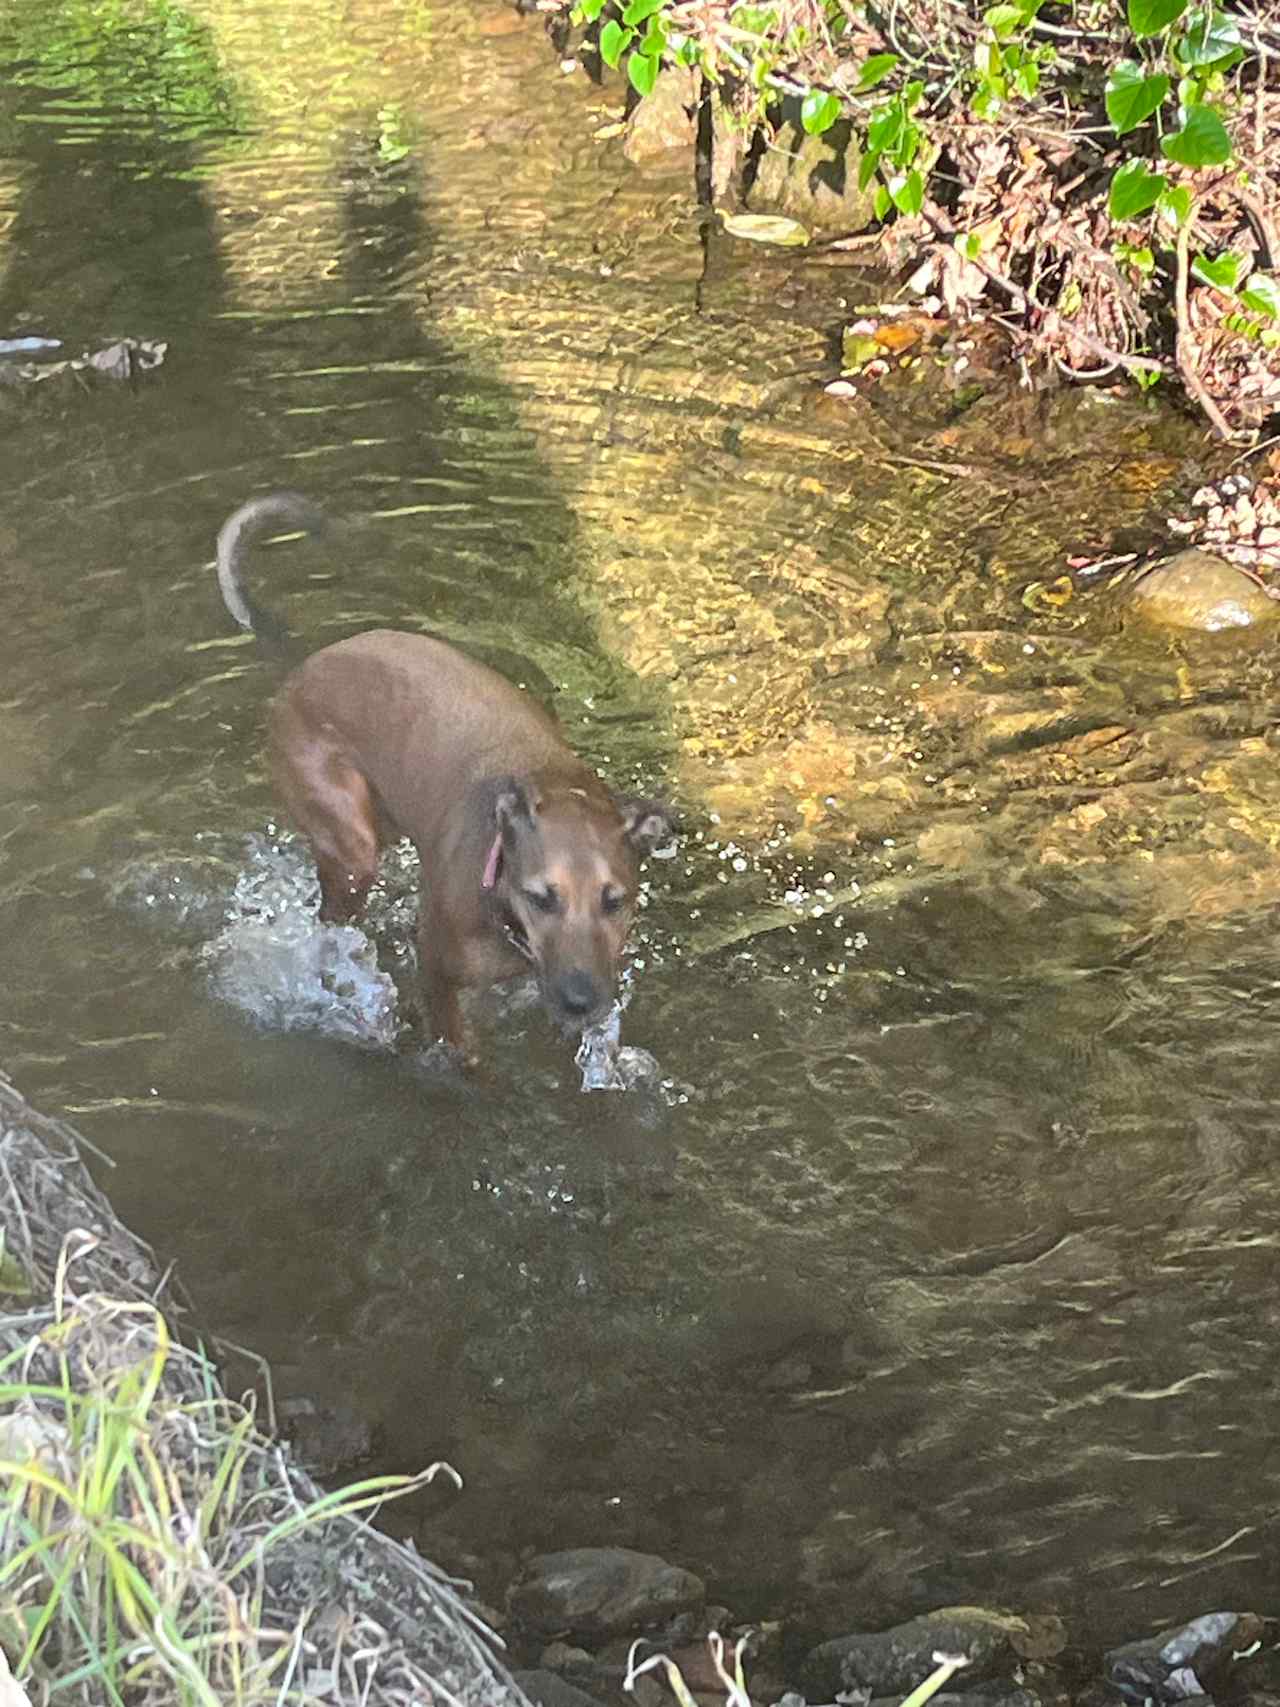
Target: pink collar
493,863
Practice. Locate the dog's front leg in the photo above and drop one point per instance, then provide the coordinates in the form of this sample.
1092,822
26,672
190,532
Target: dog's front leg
441,980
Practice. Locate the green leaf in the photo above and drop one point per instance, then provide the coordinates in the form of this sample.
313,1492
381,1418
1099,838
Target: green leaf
907,192
1132,96
1174,205
1149,17
1134,189
1224,272
766,228
642,72
613,43
639,10
986,104
1209,36
1026,79
867,167
654,43
819,111
1202,141
875,70
1003,20
587,11
912,95
1262,294
882,203
885,130
987,59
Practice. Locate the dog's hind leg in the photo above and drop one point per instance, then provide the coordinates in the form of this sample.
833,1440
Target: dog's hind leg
329,799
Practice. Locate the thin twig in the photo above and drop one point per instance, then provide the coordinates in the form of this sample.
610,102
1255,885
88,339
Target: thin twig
1183,352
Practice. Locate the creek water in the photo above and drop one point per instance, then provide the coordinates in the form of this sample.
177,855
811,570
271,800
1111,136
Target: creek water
935,1259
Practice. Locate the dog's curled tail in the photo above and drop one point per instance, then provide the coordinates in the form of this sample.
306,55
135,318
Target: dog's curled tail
274,509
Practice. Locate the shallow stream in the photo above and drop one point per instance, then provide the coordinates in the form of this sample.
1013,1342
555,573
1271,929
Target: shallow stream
936,1263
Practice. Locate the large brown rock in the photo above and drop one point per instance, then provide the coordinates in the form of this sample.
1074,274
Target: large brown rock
666,119
1197,590
812,178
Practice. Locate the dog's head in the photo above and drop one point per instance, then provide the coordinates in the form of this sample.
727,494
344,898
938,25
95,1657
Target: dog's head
567,882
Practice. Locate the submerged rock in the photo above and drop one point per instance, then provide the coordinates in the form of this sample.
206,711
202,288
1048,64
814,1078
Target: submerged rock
545,1689
1186,1663
601,1591
813,179
666,119
1197,590
893,1662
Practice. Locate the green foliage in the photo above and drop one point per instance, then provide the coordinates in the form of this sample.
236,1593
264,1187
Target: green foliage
1132,95
1168,82
1202,140
1224,271
819,111
1135,189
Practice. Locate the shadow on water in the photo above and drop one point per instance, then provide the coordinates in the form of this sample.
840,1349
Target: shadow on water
937,1266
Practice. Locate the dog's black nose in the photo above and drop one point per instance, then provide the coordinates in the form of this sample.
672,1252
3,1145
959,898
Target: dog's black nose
577,993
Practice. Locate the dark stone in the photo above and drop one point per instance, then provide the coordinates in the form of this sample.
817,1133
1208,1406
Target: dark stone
596,1592
545,1689
1193,1660
893,1662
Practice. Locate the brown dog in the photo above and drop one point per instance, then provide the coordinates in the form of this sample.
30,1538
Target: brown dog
527,860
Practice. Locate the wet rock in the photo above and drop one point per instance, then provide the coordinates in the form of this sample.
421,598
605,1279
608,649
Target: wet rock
601,1591
666,119
893,1662
813,179
563,1656
1188,1662
545,1689
1196,590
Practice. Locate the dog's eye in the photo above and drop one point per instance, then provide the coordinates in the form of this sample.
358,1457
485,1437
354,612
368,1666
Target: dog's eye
611,901
545,900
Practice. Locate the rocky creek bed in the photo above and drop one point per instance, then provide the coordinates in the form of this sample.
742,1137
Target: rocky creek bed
318,1607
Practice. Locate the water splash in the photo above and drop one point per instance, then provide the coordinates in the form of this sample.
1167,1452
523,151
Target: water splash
606,1065
278,963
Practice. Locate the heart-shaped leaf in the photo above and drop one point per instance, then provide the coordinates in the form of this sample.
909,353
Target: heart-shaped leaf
1209,36
819,110
1224,271
613,43
1149,17
642,72
1132,96
1202,141
1134,189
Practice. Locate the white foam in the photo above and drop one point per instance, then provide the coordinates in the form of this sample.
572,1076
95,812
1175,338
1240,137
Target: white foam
275,961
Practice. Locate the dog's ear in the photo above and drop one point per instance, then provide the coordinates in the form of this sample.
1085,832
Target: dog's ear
514,806
646,824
